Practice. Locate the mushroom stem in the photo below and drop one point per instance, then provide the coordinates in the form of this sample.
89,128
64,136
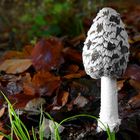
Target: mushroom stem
109,105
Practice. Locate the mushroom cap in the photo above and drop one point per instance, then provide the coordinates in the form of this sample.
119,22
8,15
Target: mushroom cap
106,48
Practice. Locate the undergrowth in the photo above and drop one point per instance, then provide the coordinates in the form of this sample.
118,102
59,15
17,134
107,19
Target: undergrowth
20,131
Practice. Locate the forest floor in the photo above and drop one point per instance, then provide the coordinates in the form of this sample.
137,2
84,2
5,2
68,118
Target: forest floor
57,80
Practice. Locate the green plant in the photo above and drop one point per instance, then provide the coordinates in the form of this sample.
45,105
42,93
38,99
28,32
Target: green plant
111,135
17,126
55,18
20,130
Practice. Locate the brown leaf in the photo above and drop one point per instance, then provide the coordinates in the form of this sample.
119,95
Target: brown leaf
28,87
2,110
79,74
120,84
12,55
133,16
46,54
26,53
75,41
133,72
42,77
20,100
46,82
62,98
135,84
27,50
134,102
15,66
72,54
3,128
73,68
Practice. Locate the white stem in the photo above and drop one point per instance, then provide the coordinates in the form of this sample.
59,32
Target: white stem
109,104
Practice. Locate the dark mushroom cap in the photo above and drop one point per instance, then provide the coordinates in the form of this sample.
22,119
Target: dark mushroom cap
106,48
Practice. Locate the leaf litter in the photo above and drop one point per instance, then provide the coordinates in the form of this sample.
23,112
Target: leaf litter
51,75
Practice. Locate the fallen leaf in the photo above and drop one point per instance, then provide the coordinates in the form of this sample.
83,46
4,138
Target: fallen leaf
79,74
135,84
46,83
10,78
15,66
20,100
35,104
13,87
27,50
133,17
24,54
73,68
2,127
46,54
41,77
120,84
72,54
2,110
62,98
133,72
80,101
28,87
75,41
12,55
134,102
81,86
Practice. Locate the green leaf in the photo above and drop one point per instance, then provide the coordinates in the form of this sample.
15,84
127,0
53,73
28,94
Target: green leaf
40,20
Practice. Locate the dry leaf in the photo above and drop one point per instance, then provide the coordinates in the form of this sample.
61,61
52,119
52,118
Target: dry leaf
2,110
80,101
46,83
72,54
28,87
133,17
133,72
27,50
135,84
12,55
43,77
120,84
2,127
62,98
15,66
75,41
35,104
20,100
134,102
14,87
10,78
26,53
46,54
79,74
73,68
